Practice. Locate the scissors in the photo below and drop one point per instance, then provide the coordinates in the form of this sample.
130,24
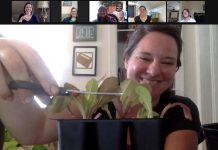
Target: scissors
38,89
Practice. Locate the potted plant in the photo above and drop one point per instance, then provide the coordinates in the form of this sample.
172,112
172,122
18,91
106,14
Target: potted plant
133,114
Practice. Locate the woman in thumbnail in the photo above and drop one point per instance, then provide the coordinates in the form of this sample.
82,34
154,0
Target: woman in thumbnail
143,17
28,16
187,16
73,17
104,17
121,16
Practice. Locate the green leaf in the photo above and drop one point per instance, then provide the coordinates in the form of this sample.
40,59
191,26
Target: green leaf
91,86
80,102
11,145
39,147
128,88
109,85
105,108
69,86
59,103
7,136
91,99
134,94
155,114
144,98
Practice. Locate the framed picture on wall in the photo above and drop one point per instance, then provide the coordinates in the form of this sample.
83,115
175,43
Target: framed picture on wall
67,3
84,33
84,60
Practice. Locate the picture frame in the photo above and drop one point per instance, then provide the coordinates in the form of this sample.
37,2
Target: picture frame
67,3
84,33
84,60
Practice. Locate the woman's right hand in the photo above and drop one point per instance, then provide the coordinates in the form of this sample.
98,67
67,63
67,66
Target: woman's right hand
19,61
25,120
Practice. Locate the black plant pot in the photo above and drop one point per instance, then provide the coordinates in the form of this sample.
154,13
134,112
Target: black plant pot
211,135
145,134
148,134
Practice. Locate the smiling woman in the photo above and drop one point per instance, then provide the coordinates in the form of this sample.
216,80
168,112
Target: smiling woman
152,57
155,64
28,15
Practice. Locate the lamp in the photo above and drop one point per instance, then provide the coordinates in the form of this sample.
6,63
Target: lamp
43,5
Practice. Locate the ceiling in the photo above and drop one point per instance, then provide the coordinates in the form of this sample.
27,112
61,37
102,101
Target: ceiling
148,4
173,5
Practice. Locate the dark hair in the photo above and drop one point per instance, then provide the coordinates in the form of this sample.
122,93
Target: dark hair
25,6
105,18
142,7
73,8
76,12
142,30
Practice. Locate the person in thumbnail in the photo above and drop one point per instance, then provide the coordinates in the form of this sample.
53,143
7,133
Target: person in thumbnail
28,16
143,16
121,16
187,16
73,16
104,17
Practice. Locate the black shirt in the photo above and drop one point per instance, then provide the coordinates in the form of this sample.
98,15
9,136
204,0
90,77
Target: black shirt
176,115
34,19
138,20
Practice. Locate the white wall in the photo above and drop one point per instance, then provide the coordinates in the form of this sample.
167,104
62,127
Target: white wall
54,43
200,68
162,13
198,77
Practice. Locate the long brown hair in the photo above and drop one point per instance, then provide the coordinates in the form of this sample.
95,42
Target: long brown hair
25,7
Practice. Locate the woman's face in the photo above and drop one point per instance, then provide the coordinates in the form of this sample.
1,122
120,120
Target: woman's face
153,62
102,12
28,9
73,12
142,10
185,14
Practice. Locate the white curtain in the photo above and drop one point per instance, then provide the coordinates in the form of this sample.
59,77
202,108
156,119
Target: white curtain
198,76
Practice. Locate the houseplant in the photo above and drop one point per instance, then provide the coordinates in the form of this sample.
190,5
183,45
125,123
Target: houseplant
10,143
89,133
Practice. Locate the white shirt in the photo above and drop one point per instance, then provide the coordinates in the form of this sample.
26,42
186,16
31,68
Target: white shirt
190,20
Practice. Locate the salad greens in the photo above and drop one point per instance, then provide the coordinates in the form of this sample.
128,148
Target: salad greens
135,102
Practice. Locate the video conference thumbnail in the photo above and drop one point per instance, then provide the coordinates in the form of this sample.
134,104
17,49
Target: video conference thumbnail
120,12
